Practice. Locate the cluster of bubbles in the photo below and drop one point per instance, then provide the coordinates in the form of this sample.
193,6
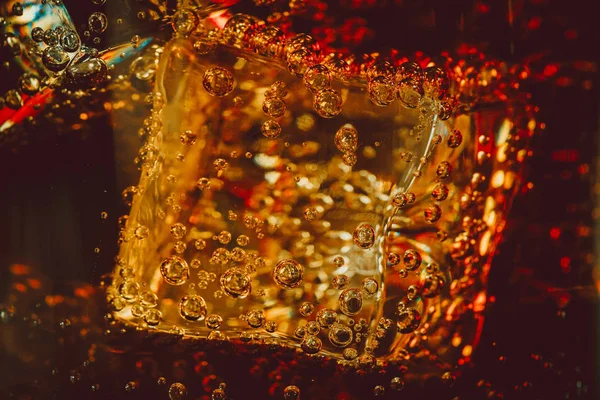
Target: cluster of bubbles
340,325
274,106
236,279
346,141
63,59
301,54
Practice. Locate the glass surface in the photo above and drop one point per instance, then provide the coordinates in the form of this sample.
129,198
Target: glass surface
249,206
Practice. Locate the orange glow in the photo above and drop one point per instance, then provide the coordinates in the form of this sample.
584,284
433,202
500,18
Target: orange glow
83,292
467,351
571,34
583,231
534,23
34,283
19,269
565,264
19,287
550,70
584,169
54,300
479,303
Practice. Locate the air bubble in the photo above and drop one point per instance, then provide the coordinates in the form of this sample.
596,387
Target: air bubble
351,301
412,292
397,383
440,192
306,309
29,84
382,69
409,320
378,391
177,391
300,332
148,299
37,34
346,139
446,110
255,318
350,159
203,184
220,164
412,259
235,283
98,22
291,393
268,41
328,103
178,230
313,328
364,236
340,282
51,37
17,9
327,317
317,78
271,326
192,307
55,58
381,91
444,170
185,21
339,68
70,40
238,29
435,82
411,70
179,247
88,73
410,93
218,81
432,213
311,213
274,107
200,244
220,256
288,274
271,129
153,317
243,240
299,61
399,200
174,270
350,354
340,335
454,139
214,321
224,237
311,344
129,290
188,138
370,286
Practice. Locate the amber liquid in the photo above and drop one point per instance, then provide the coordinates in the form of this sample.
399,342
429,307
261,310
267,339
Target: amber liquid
273,182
